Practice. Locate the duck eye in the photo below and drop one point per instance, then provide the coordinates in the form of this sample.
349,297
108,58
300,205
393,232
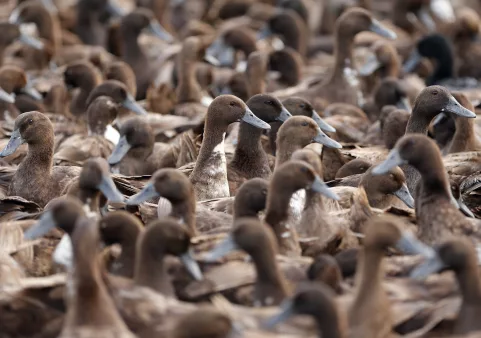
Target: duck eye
302,105
435,92
391,176
232,104
30,121
305,124
269,103
304,169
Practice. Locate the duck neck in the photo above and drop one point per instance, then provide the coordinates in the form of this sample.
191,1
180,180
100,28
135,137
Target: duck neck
48,28
434,178
90,198
151,272
185,211
285,150
273,135
464,138
212,148
131,49
469,282
328,322
188,89
296,38
342,54
249,156
39,156
391,69
419,121
256,84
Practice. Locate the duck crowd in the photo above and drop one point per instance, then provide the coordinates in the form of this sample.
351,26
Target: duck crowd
240,168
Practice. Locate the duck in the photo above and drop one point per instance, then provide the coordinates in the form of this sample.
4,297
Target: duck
393,125
325,270
122,72
249,234
437,217
466,32
160,238
13,82
91,27
289,66
225,109
100,138
204,321
459,256
84,76
250,160
137,153
36,178
89,290
356,166
12,33
131,26
343,84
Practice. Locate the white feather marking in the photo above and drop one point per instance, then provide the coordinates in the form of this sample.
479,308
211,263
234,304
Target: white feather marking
63,253
112,134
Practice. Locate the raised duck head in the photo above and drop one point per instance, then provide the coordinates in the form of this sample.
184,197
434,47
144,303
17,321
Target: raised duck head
296,133
119,93
136,139
100,114
134,23
123,228
384,60
163,237
122,72
259,242
82,75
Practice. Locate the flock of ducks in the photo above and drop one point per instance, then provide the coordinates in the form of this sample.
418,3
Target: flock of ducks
219,169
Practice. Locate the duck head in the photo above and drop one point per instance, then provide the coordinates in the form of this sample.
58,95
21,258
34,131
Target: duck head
251,198
433,46
325,269
354,167
357,20
268,108
122,72
33,128
81,74
467,24
119,93
119,226
12,32
95,175
301,107
136,138
168,183
304,130
391,91
100,113
140,20
62,213
288,64
13,80
222,51
384,57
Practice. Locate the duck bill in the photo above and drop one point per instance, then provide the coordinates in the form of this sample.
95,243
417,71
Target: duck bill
156,29
50,6
284,115
410,245
455,107
113,9
464,208
32,92
108,188
264,33
372,64
412,62
120,150
191,265
144,195
322,124
43,225
322,188
15,141
225,247
394,159
380,29
211,59
404,195
326,140
438,119
31,41
6,97
286,311
130,104
404,104
428,267
253,120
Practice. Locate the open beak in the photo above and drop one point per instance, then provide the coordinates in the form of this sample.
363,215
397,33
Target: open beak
284,115
322,188
191,265
120,150
253,120
372,64
321,123
224,248
326,140
394,159
404,195
43,225
108,188
15,141
380,29
130,103
455,107
144,195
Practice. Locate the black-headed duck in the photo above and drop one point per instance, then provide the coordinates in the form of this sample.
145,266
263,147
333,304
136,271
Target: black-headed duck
438,218
91,310
131,27
287,179
160,238
84,76
123,228
14,81
209,175
343,84
296,133
259,241
460,257
432,101
250,159
370,313
36,179
137,153
318,301
100,139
